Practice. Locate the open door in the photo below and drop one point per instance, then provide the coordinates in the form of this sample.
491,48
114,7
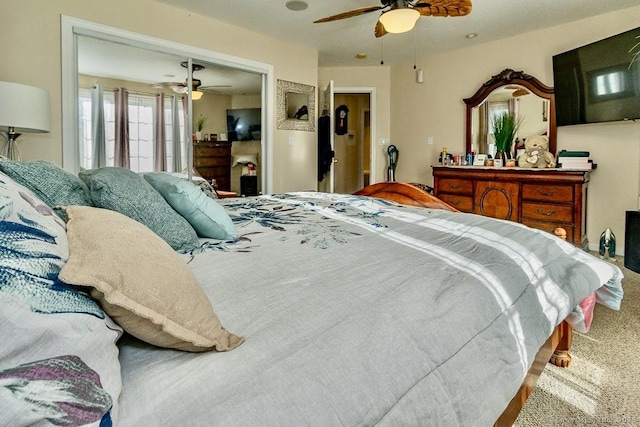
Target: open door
326,139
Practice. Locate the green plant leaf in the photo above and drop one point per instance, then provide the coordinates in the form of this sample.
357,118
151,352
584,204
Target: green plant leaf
200,121
505,126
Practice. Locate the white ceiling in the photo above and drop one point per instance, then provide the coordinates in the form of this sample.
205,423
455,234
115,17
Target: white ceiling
337,42
97,57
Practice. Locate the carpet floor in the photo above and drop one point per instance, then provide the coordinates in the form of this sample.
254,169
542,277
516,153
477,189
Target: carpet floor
601,387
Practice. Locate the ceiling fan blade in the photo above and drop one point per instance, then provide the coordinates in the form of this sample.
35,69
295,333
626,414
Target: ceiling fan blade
444,7
380,30
161,85
351,13
520,92
215,87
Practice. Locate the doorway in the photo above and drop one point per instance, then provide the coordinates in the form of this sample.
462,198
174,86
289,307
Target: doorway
352,142
352,168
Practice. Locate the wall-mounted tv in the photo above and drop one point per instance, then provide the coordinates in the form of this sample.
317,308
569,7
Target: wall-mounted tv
244,124
599,82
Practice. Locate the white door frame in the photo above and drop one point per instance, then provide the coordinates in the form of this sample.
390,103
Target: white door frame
372,117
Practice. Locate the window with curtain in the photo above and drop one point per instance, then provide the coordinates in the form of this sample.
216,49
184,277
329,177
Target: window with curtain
497,109
141,131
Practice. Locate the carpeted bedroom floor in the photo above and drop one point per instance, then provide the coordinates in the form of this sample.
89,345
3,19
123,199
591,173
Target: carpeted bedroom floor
601,387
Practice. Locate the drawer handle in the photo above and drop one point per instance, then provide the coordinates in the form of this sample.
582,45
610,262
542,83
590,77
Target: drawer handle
454,202
547,213
454,186
550,193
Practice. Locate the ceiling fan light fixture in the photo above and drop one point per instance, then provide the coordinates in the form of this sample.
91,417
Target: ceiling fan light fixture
196,95
399,20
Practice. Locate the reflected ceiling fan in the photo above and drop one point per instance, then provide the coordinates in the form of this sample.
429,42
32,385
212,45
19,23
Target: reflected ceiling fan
196,84
399,16
517,91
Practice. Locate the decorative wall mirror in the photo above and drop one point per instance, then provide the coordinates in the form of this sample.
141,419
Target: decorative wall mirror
296,106
533,101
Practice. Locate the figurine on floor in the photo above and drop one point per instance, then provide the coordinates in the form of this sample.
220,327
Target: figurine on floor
608,244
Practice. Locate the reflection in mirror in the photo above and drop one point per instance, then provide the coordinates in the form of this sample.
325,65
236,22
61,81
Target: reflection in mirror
530,111
155,86
515,92
111,76
296,104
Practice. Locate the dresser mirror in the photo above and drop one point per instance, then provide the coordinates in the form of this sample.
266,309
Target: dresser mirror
532,102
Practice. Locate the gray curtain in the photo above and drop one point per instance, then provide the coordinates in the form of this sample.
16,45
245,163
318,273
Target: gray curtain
160,141
98,130
121,157
176,134
185,113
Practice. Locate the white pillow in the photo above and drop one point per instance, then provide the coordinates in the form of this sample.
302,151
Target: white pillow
244,159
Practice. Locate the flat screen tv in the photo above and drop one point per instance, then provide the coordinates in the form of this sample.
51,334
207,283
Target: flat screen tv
599,82
243,124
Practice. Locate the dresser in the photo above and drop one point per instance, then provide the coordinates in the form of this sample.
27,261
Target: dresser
540,198
212,160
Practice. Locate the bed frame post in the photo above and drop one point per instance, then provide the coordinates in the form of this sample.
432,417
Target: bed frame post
561,356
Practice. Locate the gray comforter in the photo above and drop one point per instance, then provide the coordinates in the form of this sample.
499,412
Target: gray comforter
361,312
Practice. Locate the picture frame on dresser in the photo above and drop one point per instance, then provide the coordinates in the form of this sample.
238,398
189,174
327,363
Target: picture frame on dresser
479,159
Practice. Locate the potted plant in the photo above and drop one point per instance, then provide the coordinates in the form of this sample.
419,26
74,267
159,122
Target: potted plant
504,126
200,126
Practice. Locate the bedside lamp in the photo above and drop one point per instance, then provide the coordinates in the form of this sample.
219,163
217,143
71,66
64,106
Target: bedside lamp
22,109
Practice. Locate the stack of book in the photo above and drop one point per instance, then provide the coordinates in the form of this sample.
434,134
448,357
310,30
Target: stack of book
574,160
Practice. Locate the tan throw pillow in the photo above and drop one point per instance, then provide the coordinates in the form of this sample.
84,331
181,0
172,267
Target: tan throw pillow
141,282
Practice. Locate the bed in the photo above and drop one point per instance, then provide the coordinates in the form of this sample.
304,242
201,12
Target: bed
337,310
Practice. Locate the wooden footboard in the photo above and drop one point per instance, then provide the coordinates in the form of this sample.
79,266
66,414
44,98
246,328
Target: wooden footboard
405,194
555,349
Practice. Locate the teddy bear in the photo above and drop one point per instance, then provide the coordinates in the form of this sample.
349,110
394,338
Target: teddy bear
537,153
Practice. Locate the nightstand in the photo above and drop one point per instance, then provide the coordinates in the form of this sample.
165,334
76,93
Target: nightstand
249,185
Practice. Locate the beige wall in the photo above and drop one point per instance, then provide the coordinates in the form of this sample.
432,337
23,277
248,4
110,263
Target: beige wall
36,60
435,108
213,106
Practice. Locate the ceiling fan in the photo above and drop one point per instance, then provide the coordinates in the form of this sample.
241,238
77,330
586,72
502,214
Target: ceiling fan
196,84
517,91
399,16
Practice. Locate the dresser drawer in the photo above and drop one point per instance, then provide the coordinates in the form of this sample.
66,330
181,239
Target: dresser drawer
221,162
458,186
211,151
548,193
462,203
547,212
549,227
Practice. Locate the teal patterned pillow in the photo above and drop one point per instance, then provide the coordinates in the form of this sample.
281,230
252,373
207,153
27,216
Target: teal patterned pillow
126,192
58,359
52,184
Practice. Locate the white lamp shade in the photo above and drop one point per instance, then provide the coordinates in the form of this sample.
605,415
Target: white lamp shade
399,20
196,94
24,108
